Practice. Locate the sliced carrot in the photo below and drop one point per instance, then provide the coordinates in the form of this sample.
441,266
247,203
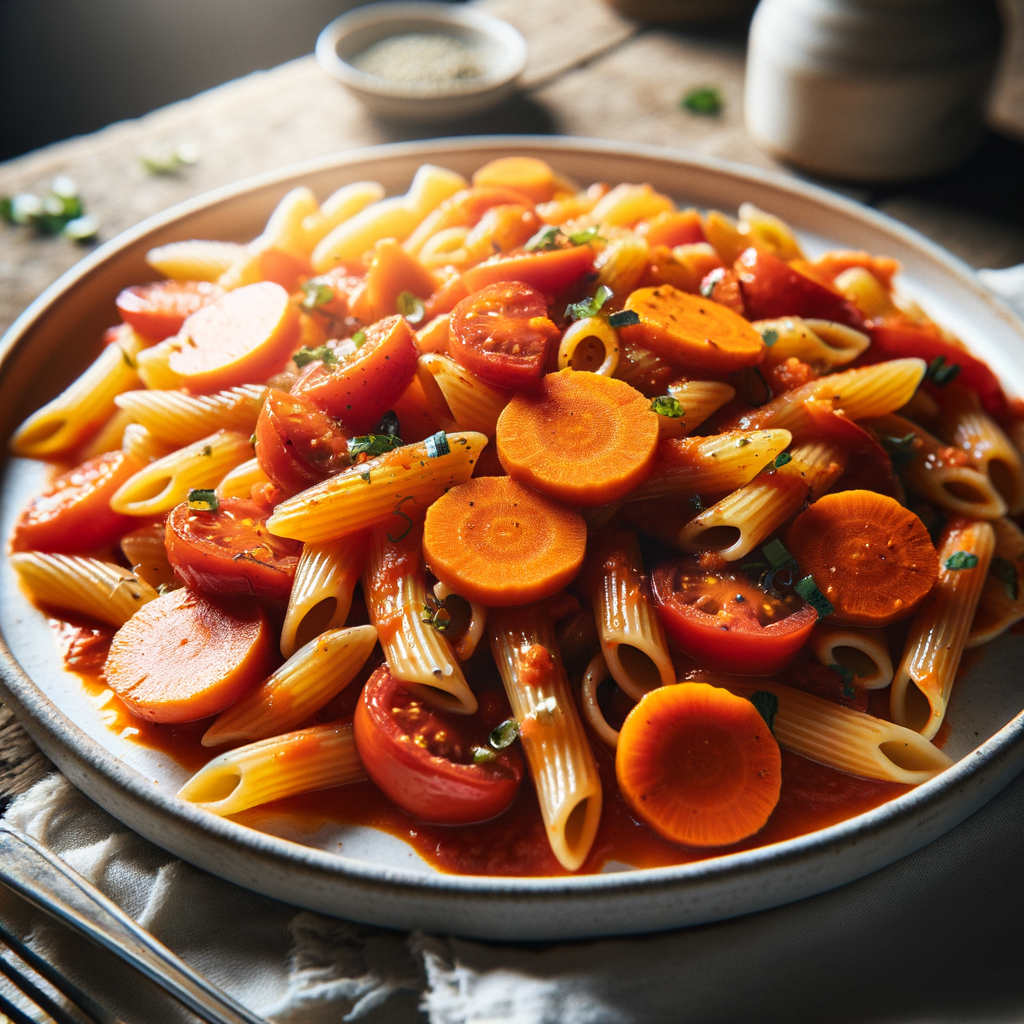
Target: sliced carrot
548,271
183,657
672,227
242,337
698,764
691,330
526,174
498,543
448,294
392,271
871,557
580,437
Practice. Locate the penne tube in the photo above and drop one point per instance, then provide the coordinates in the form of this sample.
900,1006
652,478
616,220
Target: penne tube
965,425
632,639
140,444
626,204
321,595
474,404
84,406
196,259
154,365
822,344
699,399
1001,604
561,762
179,418
108,438
165,483
241,480
862,651
285,230
465,641
338,207
371,493
298,762
622,263
739,522
146,551
311,677
939,473
843,738
596,673
710,465
98,589
421,408
939,631
769,232
417,652
590,344
577,639
642,369
866,292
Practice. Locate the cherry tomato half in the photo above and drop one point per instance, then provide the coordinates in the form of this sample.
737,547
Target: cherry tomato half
230,552
727,623
422,757
73,514
159,309
502,334
297,445
364,384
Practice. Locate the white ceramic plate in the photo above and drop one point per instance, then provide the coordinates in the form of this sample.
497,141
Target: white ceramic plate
377,878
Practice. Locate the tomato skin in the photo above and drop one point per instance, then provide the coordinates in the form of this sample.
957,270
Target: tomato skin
297,445
73,514
365,384
425,784
732,642
772,288
502,334
548,272
158,310
230,553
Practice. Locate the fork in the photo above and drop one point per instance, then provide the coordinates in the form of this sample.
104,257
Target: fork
44,880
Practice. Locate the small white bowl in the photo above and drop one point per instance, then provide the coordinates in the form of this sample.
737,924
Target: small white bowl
500,48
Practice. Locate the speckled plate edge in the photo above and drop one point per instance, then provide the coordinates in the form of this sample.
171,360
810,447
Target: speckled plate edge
511,908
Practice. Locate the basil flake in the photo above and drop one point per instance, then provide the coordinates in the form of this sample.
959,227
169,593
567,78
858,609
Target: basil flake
202,500
373,444
770,336
322,354
809,591
359,338
666,405
767,705
1005,571
783,458
437,445
900,450
705,101
481,755
625,318
961,560
547,238
589,307
941,373
411,307
584,236
316,292
504,735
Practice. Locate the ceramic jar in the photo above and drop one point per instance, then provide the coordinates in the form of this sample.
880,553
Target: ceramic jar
870,90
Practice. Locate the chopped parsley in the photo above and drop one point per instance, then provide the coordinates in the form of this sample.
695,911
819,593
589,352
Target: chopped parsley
435,614
202,500
481,755
941,373
767,705
504,735
625,318
705,101
809,591
59,211
316,292
707,286
901,450
666,405
584,236
777,554
397,511
589,307
548,237
411,307
960,560
322,353
373,444
437,445
359,338
769,336
1006,572
743,442
783,458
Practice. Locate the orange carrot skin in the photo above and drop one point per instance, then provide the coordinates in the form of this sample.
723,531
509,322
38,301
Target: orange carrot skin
871,557
393,271
498,543
183,657
699,765
527,175
579,437
548,272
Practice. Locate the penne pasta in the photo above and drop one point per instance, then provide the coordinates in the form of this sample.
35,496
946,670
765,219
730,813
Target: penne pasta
138,442
338,207
371,493
319,757
699,399
821,344
285,230
84,406
167,481
196,259
179,418
154,366
240,481
311,677
321,595
417,652
464,641
561,762
861,651
474,404
590,344
739,522
146,551
596,673
632,639
622,263
769,232
88,586
938,634
1001,604
108,438
626,204
577,639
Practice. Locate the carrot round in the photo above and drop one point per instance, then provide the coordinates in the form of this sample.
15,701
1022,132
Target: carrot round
498,543
871,557
698,764
183,657
692,331
580,437
548,271
526,174
244,336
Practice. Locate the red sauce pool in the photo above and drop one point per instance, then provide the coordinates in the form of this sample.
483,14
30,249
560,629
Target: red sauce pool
813,796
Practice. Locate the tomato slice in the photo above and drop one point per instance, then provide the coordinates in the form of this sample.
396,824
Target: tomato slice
73,514
159,309
297,445
727,623
502,334
367,381
772,288
422,757
230,552
549,271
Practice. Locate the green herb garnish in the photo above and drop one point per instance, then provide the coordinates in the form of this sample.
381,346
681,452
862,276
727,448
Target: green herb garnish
624,318
941,373
373,444
960,560
706,101
504,735
322,353
782,459
589,307
481,755
359,338
316,292
547,238
809,591
900,450
60,211
666,405
695,504
411,307
202,500
767,705
769,336
707,286
1005,571
437,445
743,442
397,511
777,554
584,236
435,614
168,161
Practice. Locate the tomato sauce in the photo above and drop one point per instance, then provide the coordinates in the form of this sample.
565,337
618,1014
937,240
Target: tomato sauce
813,797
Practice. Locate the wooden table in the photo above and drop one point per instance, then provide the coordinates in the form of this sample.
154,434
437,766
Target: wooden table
590,73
